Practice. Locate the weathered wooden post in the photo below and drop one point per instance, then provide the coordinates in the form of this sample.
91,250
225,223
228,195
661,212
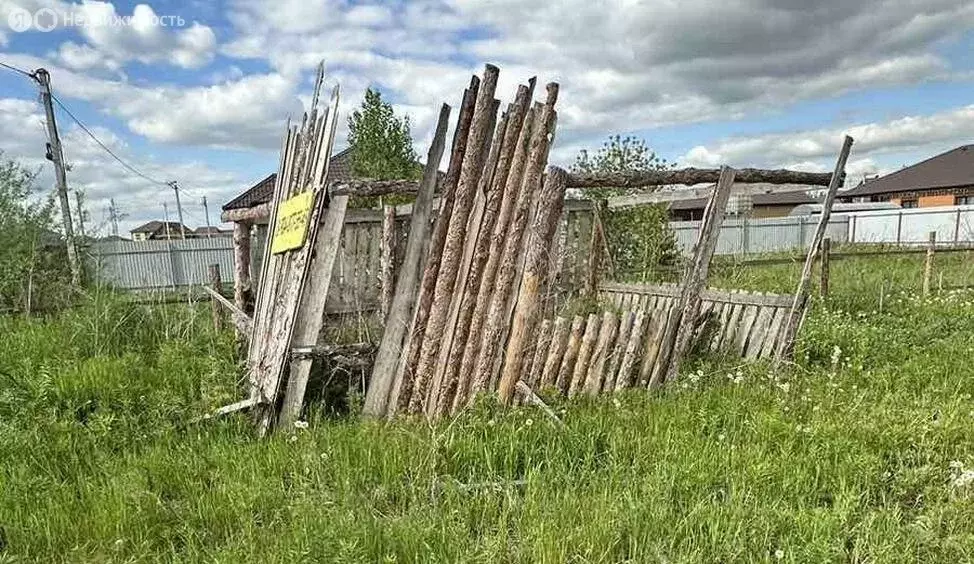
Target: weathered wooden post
928,266
217,285
387,258
797,312
597,254
826,254
680,326
242,289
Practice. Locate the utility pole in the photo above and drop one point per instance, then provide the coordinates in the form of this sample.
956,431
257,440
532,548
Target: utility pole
179,209
81,214
206,212
165,214
113,216
56,156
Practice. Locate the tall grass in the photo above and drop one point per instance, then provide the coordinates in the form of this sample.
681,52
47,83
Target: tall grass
859,453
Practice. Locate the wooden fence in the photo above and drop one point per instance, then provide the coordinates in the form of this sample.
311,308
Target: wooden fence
620,349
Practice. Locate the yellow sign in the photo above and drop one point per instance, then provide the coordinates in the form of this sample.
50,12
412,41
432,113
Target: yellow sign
292,223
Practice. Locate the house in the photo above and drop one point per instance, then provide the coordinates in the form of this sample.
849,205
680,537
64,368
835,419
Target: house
763,205
155,230
943,180
339,170
209,232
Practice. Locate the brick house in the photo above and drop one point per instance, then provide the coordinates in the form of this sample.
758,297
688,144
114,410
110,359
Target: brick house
943,180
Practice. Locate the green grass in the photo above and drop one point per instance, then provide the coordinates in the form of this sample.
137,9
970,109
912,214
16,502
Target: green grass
856,454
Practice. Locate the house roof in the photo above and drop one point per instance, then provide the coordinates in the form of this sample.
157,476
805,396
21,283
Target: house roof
946,170
156,226
339,170
773,199
211,230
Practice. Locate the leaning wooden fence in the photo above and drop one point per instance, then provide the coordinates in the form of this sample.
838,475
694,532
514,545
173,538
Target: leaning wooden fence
620,349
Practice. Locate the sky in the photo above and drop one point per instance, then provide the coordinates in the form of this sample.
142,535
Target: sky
199,91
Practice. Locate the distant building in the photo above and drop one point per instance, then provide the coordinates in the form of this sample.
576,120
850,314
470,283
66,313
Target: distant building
763,205
944,180
339,170
159,230
205,232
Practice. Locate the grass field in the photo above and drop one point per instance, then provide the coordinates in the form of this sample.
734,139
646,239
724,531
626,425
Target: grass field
861,452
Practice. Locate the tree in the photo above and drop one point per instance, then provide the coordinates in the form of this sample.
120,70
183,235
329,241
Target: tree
382,148
33,269
639,238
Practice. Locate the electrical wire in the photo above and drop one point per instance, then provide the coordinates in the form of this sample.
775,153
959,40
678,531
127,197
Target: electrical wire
131,168
29,75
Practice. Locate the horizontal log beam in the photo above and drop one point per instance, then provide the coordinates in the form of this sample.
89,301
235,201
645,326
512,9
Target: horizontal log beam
256,214
691,176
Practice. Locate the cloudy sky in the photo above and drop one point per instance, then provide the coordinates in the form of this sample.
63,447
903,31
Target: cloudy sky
198,91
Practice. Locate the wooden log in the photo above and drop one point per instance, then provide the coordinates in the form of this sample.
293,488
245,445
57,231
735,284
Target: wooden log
603,345
655,179
549,205
635,339
498,316
536,366
826,257
567,367
797,312
618,350
928,263
443,384
387,259
486,291
385,369
243,293
504,150
248,216
680,330
405,370
308,324
472,168
217,285
584,354
556,351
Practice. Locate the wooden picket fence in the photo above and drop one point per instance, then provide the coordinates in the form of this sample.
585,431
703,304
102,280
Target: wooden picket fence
620,349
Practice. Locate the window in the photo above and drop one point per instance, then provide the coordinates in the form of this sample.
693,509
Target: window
964,201
908,203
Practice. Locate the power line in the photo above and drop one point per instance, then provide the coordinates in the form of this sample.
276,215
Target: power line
131,168
29,75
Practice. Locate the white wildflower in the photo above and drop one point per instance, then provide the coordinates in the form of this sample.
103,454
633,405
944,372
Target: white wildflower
528,423
616,403
721,437
300,424
779,554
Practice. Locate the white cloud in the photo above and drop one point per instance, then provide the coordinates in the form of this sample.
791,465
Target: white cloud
112,38
875,144
101,178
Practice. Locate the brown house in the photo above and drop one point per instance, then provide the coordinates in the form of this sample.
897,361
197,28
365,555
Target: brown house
944,180
339,170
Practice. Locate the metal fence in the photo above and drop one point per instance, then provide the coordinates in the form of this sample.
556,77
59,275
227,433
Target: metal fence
747,236
146,265
953,224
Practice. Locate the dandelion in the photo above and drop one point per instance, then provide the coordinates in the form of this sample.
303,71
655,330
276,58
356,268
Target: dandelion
779,554
300,424
292,438
720,437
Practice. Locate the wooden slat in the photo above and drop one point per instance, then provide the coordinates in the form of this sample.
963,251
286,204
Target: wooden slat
556,351
748,298
567,368
744,329
758,333
624,378
600,354
543,343
774,332
585,354
618,350
651,368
